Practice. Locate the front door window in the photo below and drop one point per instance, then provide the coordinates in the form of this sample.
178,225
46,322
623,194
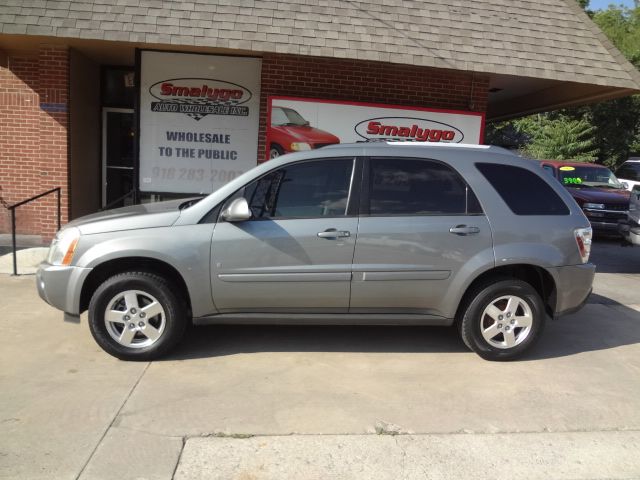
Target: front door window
307,190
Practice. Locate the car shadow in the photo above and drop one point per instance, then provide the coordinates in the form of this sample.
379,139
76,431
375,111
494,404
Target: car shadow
607,325
612,255
220,340
603,324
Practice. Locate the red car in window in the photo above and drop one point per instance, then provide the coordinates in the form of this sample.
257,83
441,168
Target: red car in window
290,132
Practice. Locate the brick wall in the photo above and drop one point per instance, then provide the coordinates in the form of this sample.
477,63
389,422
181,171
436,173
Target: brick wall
34,115
33,137
364,81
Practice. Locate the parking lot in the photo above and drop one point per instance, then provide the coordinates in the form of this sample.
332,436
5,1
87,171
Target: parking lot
247,402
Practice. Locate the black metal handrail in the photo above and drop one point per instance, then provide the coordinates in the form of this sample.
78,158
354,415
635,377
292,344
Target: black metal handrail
12,209
130,193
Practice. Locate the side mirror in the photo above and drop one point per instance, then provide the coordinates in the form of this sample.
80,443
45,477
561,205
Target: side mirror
237,211
625,185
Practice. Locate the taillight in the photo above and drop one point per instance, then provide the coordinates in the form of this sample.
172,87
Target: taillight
583,239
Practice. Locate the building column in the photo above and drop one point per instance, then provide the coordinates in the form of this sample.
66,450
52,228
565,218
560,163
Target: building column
34,121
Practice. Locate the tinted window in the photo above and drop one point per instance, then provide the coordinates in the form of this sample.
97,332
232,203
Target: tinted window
629,171
523,191
304,190
587,175
417,187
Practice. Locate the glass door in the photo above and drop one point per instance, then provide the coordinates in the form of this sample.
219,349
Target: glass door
118,141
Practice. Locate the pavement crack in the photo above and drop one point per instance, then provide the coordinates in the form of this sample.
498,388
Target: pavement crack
106,430
545,431
175,469
146,432
228,435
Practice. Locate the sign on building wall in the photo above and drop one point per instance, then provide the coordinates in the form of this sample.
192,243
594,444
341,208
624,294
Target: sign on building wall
198,120
296,124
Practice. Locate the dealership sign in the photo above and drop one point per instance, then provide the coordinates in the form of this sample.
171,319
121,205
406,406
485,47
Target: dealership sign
302,124
199,97
198,120
409,129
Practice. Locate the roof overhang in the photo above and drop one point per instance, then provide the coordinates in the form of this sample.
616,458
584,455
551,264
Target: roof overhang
512,96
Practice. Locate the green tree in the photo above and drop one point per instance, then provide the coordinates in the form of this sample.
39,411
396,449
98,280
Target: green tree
561,138
616,123
617,128
622,26
584,4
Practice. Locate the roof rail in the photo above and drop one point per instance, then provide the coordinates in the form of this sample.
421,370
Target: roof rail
439,144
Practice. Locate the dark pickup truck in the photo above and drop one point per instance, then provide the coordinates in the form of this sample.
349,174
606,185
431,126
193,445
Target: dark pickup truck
602,197
630,229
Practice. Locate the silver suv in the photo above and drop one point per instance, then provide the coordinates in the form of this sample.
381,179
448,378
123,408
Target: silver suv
375,234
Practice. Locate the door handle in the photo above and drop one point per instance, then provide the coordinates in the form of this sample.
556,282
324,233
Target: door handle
333,233
464,230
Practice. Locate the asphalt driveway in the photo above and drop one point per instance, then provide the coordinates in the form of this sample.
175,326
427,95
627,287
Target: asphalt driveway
325,402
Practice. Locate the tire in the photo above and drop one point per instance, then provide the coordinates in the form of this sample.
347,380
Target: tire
275,151
496,329
145,320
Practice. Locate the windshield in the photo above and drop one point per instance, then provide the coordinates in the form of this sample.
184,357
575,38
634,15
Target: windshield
629,171
588,176
287,116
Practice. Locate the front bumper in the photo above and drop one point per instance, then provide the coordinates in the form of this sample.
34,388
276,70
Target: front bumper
573,287
630,230
60,286
605,221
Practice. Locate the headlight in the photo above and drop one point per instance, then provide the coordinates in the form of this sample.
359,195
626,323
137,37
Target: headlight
595,206
298,147
63,246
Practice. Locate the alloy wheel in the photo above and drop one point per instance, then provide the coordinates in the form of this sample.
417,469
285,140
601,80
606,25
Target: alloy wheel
135,319
506,322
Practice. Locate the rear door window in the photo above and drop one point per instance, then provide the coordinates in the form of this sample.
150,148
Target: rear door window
524,192
407,186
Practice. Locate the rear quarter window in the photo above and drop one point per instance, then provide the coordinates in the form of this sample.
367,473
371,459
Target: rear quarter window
524,192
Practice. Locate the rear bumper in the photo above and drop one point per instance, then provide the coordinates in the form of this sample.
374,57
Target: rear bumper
573,287
61,286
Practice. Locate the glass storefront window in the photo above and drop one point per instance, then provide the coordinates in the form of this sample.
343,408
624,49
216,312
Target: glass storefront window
118,87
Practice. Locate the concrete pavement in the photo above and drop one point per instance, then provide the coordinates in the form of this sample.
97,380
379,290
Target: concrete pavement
312,398
27,260
529,456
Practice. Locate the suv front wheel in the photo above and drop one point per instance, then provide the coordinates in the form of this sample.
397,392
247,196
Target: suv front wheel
503,318
136,316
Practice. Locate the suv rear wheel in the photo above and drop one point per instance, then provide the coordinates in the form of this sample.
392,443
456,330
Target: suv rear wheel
503,319
136,316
